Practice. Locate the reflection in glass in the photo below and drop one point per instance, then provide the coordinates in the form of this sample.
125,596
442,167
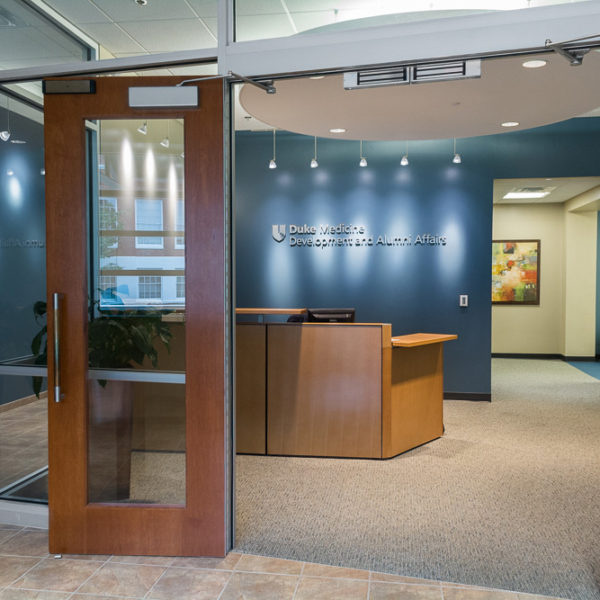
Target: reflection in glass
281,20
136,425
23,444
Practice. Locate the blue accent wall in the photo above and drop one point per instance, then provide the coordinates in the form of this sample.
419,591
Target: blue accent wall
414,288
22,259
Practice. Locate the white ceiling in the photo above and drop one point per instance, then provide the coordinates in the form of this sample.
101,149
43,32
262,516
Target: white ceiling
445,109
505,92
565,188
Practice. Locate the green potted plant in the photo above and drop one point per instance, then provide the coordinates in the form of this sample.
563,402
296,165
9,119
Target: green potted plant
117,338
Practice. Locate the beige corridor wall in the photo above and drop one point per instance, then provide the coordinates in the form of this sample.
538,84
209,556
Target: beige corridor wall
533,329
580,281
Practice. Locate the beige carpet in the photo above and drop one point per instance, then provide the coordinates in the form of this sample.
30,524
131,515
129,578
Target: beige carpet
508,498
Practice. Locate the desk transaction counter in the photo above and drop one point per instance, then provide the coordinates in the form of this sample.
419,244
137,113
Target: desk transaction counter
336,389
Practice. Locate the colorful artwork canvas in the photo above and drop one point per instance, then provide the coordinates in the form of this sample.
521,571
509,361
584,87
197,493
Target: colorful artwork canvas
516,272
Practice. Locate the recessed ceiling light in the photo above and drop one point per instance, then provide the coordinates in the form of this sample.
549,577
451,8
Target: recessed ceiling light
18,142
525,195
337,130
510,124
535,64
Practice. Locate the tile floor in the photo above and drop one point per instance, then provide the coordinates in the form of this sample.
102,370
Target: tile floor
28,572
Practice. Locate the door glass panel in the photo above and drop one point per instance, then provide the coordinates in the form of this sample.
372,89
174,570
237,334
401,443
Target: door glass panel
136,330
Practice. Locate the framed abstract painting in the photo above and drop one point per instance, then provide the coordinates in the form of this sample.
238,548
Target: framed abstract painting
516,272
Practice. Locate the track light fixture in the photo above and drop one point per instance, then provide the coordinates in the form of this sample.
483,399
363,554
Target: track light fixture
165,143
456,159
363,161
404,159
272,163
143,128
314,163
5,135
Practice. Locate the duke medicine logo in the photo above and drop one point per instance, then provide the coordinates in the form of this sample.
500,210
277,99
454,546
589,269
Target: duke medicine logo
278,232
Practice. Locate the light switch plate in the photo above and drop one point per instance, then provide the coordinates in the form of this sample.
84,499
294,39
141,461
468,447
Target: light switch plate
463,300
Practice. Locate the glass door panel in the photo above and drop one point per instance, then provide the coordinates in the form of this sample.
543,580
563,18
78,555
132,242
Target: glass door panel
136,329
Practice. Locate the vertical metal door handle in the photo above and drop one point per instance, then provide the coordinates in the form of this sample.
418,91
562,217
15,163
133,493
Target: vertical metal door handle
56,354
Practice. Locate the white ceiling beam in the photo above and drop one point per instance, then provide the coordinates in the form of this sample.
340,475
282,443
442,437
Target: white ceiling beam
111,65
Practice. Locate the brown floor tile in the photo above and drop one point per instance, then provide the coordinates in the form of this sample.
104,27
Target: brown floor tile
5,534
57,575
256,586
320,588
122,580
28,542
403,591
456,593
315,570
158,561
185,584
265,564
12,567
96,597
536,597
95,557
228,563
389,578
14,594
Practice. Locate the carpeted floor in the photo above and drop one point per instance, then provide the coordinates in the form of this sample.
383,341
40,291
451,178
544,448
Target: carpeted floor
508,498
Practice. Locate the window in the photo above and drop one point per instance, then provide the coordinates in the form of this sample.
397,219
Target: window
148,217
149,286
107,283
180,285
180,225
107,221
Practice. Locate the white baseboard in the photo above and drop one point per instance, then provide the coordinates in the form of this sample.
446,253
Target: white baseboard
25,514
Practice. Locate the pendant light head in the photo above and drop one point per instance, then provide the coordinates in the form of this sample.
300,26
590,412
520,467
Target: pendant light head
5,135
404,161
272,163
363,161
143,128
314,163
165,142
457,158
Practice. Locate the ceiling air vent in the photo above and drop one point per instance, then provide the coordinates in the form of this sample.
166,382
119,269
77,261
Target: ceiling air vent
463,69
376,78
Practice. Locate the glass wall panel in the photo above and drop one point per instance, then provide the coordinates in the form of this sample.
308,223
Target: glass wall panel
136,332
256,20
23,443
22,240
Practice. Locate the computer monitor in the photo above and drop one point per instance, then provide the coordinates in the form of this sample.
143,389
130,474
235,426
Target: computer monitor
331,315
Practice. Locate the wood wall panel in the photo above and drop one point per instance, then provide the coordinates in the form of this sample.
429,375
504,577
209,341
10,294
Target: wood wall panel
324,390
200,527
251,388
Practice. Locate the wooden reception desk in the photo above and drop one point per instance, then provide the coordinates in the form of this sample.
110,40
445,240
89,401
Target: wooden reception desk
336,389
